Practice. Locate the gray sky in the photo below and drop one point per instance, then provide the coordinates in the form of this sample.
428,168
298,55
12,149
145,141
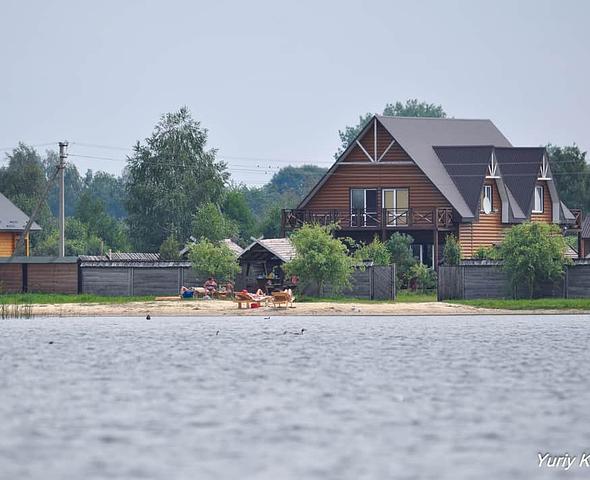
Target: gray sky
276,80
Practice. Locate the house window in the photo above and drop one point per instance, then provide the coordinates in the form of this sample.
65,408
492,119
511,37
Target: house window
538,207
363,207
486,199
396,203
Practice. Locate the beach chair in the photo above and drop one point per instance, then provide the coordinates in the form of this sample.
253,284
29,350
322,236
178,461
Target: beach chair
279,298
245,300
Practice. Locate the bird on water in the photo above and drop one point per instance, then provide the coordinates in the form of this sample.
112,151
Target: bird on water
148,317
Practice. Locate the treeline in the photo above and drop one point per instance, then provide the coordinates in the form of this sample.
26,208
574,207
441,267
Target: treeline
172,188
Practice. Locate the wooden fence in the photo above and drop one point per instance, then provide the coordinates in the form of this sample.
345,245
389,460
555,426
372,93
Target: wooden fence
487,279
39,274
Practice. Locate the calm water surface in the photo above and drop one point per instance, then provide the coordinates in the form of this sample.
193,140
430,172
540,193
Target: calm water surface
352,398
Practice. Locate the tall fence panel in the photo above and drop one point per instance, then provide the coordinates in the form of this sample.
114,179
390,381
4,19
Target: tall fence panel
156,281
106,281
39,274
11,278
450,283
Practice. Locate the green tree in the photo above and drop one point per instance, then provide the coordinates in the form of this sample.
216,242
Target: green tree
452,251
210,259
210,223
571,175
235,207
400,251
320,258
270,226
412,108
73,185
170,248
110,190
78,240
169,177
533,253
376,251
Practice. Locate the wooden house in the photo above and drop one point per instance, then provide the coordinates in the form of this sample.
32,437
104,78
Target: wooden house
12,225
432,177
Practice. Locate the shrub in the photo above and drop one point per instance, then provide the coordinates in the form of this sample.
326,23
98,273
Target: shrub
320,258
487,253
376,251
400,251
533,253
424,277
209,259
452,251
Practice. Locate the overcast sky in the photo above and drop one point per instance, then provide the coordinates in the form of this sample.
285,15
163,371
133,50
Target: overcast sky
275,81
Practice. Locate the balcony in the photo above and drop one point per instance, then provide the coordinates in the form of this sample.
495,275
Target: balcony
385,219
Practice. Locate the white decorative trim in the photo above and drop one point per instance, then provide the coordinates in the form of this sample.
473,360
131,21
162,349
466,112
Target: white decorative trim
375,139
493,167
365,152
386,150
544,169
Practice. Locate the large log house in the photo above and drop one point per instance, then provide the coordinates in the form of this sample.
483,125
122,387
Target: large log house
431,177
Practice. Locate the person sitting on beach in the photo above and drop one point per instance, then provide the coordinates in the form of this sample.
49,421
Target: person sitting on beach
186,292
211,286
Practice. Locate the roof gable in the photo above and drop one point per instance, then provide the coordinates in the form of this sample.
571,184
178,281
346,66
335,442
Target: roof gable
282,248
467,167
12,218
520,168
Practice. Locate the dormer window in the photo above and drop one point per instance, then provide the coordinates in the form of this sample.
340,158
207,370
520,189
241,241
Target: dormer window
538,206
544,169
492,167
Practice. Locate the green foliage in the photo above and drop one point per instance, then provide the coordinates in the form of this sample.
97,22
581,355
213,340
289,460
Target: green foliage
452,251
399,246
376,251
425,277
529,304
79,241
235,207
170,248
320,258
169,176
73,185
486,253
208,222
412,108
571,174
533,253
213,260
110,190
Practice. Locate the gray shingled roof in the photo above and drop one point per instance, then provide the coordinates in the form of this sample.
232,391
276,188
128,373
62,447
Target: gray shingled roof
520,168
282,248
467,166
418,136
586,227
12,218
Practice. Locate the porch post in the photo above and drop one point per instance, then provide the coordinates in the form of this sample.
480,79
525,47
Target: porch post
435,249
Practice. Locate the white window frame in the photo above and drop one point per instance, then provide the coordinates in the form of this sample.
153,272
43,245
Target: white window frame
487,188
397,215
539,188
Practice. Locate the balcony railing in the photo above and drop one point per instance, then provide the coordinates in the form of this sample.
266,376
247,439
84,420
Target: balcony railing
386,218
578,218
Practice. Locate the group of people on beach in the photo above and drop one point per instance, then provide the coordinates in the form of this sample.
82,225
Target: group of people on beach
208,290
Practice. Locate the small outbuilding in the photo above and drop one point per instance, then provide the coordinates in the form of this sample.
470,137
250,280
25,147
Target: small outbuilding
261,264
13,222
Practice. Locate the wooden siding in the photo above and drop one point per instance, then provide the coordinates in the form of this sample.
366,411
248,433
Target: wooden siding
11,278
547,215
53,278
335,193
7,243
486,231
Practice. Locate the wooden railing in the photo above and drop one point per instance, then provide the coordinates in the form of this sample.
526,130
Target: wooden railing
577,213
386,218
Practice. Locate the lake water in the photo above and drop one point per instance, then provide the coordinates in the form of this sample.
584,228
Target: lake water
351,398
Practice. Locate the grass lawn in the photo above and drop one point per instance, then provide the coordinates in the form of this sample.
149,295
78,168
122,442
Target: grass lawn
402,297
47,298
525,304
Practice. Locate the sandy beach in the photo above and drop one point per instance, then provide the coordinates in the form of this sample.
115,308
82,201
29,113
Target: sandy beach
203,308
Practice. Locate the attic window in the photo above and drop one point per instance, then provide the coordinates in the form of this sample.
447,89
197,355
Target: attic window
492,167
544,169
538,207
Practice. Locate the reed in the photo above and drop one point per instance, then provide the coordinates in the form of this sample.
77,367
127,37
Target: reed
16,310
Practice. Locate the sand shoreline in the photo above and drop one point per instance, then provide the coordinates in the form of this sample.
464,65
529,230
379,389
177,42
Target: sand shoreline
226,308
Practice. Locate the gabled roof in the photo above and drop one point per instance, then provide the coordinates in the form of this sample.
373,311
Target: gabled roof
520,169
12,218
233,246
586,227
467,166
282,248
417,136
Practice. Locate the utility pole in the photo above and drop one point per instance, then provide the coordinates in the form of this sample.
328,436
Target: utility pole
63,154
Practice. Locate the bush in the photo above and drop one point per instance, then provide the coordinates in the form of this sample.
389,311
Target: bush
424,277
452,251
400,251
376,251
209,259
533,253
487,253
320,258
